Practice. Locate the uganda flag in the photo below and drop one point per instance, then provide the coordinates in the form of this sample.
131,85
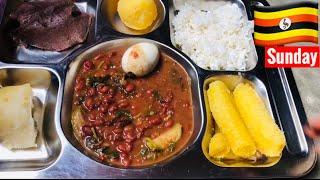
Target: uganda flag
286,24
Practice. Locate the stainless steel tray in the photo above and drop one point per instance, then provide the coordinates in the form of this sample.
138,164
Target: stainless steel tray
65,159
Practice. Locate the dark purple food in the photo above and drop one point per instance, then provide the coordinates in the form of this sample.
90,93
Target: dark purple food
2,7
53,25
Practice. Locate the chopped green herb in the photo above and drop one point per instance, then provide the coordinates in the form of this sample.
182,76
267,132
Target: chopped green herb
144,151
109,153
124,113
95,81
157,95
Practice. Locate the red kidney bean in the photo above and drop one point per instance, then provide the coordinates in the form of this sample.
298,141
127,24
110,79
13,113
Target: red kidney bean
110,138
91,91
129,137
139,128
149,91
97,102
128,128
89,103
117,131
139,135
147,125
123,104
105,67
79,79
111,92
168,99
103,108
129,87
128,147
102,89
170,112
92,117
121,148
79,86
97,122
117,137
87,131
155,121
124,148
106,99
164,111
88,65
168,123
112,108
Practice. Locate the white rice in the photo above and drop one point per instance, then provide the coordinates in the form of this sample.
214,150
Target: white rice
214,37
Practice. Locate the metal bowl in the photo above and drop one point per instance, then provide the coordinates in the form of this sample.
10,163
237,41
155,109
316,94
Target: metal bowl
101,47
109,10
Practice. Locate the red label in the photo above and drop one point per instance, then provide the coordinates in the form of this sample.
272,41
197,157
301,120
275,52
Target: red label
292,57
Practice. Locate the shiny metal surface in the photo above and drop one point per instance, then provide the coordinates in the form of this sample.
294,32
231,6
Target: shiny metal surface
45,86
294,113
111,17
105,46
66,159
174,6
35,55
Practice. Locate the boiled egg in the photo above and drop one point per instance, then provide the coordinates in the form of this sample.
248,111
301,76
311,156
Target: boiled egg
140,59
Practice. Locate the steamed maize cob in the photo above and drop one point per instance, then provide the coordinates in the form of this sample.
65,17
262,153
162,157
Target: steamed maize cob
228,120
269,139
219,146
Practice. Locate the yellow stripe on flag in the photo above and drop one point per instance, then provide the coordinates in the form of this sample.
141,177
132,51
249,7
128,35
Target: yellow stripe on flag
286,13
286,34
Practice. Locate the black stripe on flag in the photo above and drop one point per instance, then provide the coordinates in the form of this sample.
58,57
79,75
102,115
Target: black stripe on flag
275,29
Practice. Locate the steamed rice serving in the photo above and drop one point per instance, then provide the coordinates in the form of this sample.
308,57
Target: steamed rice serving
214,36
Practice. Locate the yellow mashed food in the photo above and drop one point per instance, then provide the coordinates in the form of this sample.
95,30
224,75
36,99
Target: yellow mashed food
137,14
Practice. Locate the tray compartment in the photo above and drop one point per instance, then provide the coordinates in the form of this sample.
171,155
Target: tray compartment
75,65
232,81
45,85
11,53
110,18
174,8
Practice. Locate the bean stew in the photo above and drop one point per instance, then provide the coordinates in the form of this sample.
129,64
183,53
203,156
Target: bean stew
126,121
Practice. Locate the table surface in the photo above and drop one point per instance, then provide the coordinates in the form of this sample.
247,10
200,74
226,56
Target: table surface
308,84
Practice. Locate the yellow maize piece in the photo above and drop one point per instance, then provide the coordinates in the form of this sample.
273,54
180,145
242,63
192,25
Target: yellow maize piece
269,139
219,146
228,120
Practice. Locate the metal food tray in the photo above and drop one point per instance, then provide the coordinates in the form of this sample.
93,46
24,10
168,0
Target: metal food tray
62,157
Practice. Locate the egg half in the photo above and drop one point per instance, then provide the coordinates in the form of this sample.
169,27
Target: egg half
140,59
